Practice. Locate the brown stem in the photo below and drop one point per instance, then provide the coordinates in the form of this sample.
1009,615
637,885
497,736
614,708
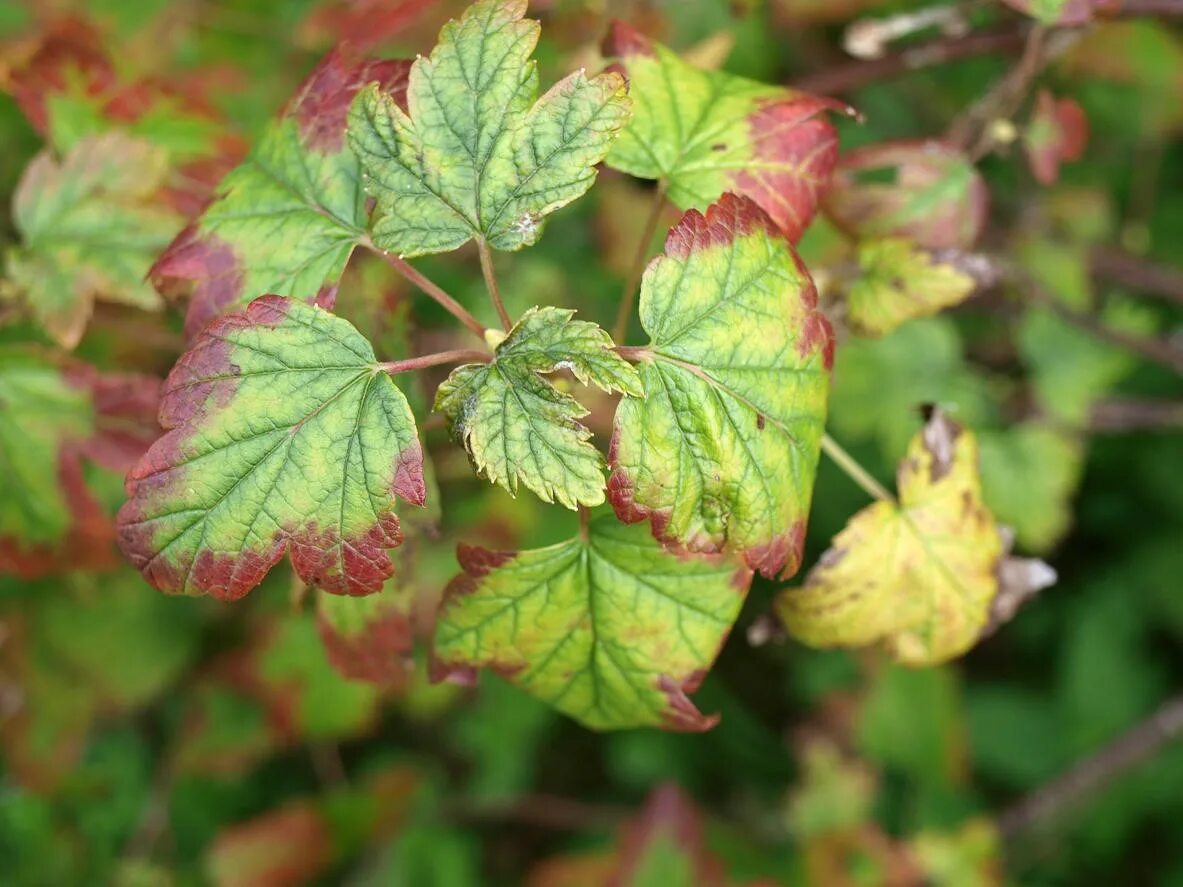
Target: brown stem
491,283
1135,415
628,295
460,355
447,302
1138,273
1093,773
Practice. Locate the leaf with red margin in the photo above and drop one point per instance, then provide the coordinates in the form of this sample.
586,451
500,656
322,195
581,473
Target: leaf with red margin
367,638
284,433
722,452
934,197
1057,133
288,218
364,24
708,132
610,629
287,847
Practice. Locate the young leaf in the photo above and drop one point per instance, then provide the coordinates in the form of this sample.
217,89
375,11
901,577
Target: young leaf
476,153
89,228
721,454
288,218
919,575
900,282
609,629
517,427
1057,132
934,195
284,433
707,132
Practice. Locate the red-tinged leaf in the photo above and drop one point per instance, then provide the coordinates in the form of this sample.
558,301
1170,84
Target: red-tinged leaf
934,197
288,218
1057,133
283,848
125,407
665,845
365,24
367,638
768,143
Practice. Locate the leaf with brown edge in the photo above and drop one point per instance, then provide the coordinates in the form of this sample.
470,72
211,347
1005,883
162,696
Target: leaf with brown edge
919,575
367,638
1057,133
932,195
610,629
708,132
288,218
722,452
283,433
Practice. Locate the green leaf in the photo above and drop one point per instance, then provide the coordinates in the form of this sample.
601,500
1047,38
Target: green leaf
89,230
367,638
609,629
284,432
517,427
722,453
476,153
707,132
288,218
900,282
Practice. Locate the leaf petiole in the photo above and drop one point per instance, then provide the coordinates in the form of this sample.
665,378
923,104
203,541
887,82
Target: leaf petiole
459,355
491,283
628,295
854,470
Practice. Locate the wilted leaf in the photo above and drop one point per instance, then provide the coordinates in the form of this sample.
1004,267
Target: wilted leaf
722,452
707,132
1056,133
288,218
283,433
89,229
476,153
517,427
900,282
933,195
608,628
919,575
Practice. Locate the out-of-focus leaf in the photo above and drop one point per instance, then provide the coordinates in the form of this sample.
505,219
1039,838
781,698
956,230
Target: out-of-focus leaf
284,434
900,282
517,427
919,575
925,191
1064,12
475,153
90,226
722,452
367,638
283,848
1057,133
608,628
834,795
705,133
969,857
288,218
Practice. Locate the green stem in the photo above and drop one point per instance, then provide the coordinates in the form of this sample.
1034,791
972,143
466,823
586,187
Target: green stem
460,355
628,295
491,283
854,471
447,302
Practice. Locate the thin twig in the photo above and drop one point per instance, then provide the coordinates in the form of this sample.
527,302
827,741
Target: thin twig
1093,773
447,302
854,470
628,295
491,283
1138,273
459,355
1136,415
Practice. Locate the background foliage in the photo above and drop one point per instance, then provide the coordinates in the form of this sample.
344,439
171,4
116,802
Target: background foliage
150,740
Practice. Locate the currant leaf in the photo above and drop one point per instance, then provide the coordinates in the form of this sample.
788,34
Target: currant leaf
90,227
610,629
477,153
517,427
1057,132
900,282
284,433
366,638
708,132
289,217
722,452
920,575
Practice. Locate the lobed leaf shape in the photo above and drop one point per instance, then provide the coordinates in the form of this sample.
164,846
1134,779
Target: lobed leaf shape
920,575
900,282
519,428
288,218
722,452
708,132
283,434
932,194
608,628
90,226
476,153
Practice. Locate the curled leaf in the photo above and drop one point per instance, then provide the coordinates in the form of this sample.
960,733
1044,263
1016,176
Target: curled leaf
608,628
